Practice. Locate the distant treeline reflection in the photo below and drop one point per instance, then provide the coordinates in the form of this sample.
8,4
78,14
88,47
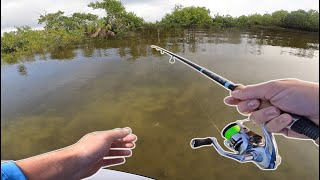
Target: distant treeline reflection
302,44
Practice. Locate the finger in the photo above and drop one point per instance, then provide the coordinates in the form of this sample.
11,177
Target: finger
264,115
112,162
264,104
239,87
125,153
129,138
277,124
122,145
116,134
231,101
258,91
248,106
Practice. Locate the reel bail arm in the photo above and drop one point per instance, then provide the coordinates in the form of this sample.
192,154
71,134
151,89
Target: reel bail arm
201,142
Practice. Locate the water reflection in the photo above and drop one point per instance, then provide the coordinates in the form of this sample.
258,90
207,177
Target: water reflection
62,54
22,69
254,42
88,50
101,88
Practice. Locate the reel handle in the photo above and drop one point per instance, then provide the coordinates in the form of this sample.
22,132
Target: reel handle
300,124
198,142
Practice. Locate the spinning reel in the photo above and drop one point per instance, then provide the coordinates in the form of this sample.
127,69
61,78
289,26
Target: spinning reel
246,145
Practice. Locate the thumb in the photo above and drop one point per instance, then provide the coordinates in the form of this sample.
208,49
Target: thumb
258,91
118,133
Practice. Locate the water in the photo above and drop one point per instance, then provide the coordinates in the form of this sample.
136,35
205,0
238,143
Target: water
50,101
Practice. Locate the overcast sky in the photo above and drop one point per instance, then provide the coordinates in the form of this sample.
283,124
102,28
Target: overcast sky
26,12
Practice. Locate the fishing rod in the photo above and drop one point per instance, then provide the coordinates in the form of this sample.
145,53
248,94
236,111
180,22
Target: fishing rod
300,124
216,78
237,136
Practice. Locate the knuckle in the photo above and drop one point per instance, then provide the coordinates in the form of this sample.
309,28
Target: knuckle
270,127
98,135
240,87
256,117
253,118
242,106
241,109
95,133
292,79
284,118
274,83
89,135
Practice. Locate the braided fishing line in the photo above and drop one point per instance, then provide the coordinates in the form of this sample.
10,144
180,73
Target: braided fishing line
194,99
172,60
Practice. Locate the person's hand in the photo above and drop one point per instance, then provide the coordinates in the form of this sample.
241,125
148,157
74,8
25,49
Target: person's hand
288,95
96,150
83,159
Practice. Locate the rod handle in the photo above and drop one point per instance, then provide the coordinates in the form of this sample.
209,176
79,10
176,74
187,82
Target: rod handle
305,126
300,124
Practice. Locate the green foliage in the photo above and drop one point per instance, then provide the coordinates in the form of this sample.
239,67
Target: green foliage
188,17
242,21
266,20
61,30
300,19
132,21
81,20
113,8
52,20
279,17
117,17
25,42
57,21
255,19
16,41
224,21
199,17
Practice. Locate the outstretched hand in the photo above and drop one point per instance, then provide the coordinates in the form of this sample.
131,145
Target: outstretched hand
83,159
103,149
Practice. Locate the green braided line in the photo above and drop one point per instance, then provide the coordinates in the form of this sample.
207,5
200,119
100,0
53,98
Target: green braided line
230,132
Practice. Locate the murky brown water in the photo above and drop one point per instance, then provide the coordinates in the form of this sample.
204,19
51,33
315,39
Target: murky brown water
51,101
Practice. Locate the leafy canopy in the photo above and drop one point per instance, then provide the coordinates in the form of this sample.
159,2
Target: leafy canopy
188,17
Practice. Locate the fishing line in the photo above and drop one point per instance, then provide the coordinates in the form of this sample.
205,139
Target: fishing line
194,99
206,111
208,117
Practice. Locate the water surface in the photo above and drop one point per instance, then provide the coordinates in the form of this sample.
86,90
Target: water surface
50,101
